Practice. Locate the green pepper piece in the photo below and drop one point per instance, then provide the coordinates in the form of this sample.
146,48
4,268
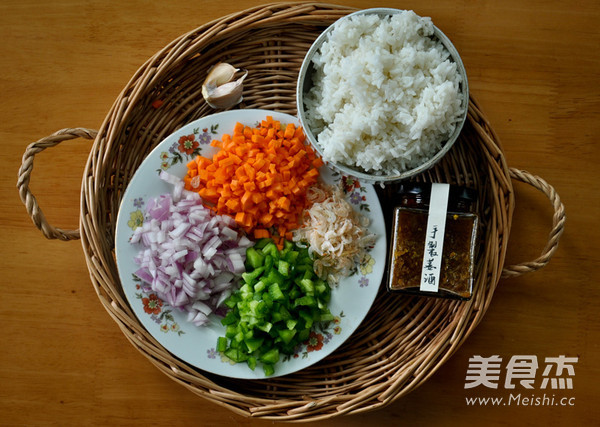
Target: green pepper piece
236,355
251,362
270,249
262,243
268,370
221,344
254,258
275,292
252,276
283,267
253,344
307,300
270,357
287,335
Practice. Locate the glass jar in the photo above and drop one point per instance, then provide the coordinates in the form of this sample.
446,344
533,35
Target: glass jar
416,264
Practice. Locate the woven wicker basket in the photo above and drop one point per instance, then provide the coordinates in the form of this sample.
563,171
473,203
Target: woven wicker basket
401,343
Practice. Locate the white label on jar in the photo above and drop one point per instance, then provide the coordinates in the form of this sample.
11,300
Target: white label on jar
434,237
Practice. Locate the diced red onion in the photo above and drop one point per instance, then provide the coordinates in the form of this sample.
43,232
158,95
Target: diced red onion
189,257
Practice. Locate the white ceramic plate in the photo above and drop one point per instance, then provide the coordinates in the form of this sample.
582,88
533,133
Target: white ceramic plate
350,301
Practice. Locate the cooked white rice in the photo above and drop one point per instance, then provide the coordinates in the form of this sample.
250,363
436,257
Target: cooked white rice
386,95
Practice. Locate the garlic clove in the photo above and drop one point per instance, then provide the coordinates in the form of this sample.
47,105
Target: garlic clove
218,90
221,73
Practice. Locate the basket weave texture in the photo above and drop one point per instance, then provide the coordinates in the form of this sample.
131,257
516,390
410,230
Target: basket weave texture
403,341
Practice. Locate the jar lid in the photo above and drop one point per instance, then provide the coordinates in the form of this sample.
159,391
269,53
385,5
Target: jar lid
458,194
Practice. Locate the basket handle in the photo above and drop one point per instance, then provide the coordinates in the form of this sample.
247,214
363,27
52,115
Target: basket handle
558,224
28,198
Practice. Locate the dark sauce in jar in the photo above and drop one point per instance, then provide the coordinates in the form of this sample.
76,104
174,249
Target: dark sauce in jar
409,223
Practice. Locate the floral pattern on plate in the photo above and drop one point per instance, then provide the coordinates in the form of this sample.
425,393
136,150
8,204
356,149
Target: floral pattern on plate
187,146
157,309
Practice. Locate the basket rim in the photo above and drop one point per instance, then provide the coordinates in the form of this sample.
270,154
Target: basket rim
96,238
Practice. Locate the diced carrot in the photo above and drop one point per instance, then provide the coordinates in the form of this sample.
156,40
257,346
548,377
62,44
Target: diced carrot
250,171
253,210
249,222
240,217
203,174
208,193
246,200
284,203
201,162
312,173
258,139
279,243
261,233
270,134
238,128
233,205
241,150
297,190
259,176
271,194
299,133
257,198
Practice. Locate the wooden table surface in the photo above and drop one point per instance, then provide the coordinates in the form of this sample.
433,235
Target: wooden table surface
534,67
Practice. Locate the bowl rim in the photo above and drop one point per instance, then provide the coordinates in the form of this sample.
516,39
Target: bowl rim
356,172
